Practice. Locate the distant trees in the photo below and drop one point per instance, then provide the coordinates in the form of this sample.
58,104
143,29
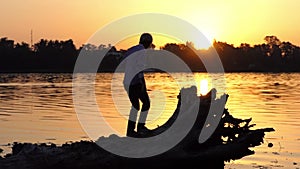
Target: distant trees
55,55
50,56
272,56
46,55
14,56
61,56
187,53
109,56
279,56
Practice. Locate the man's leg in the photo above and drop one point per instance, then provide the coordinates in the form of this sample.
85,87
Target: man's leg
141,128
131,122
135,106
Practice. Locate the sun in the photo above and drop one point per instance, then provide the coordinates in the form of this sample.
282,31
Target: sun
204,43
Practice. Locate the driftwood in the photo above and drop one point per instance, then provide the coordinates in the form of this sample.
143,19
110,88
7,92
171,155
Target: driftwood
230,141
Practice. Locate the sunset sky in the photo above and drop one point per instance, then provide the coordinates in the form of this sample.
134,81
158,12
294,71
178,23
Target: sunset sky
233,21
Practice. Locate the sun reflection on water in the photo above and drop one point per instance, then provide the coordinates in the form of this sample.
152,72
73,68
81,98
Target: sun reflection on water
203,87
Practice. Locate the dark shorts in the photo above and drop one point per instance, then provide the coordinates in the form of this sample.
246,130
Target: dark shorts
136,93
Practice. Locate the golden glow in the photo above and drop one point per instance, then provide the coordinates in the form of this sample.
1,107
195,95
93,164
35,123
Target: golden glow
204,44
235,21
159,40
203,87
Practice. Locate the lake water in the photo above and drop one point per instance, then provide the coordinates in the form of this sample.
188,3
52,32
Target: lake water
40,108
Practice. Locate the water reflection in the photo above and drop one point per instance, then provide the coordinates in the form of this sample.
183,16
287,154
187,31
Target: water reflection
39,107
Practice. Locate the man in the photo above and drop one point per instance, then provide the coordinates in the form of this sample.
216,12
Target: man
135,85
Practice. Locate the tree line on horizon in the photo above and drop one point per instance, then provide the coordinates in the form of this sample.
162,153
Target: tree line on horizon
61,56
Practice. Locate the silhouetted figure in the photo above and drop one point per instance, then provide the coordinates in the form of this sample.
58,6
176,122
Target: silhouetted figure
135,86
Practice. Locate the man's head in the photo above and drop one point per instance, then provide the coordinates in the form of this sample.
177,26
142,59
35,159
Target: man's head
146,40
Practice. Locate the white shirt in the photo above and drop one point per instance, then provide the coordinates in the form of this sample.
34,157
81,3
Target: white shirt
135,64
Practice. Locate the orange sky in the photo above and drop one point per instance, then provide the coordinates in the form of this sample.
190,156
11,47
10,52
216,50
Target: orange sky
233,21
